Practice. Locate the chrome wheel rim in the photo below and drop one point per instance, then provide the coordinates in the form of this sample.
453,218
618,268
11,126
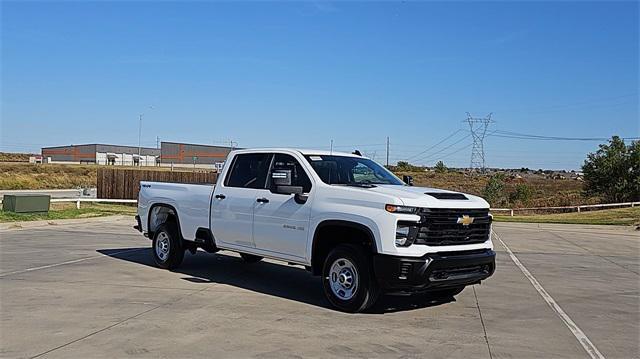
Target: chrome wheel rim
162,246
343,279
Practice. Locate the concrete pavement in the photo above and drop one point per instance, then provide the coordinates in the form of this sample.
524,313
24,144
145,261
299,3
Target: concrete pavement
91,290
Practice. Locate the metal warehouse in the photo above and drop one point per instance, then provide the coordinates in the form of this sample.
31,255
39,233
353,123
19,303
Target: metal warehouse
172,154
102,155
185,154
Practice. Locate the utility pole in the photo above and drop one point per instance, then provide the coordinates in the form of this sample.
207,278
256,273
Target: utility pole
157,142
387,151
140,138
331,147
478,127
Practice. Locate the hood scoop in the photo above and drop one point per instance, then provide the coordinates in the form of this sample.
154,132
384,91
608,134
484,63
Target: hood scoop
447,195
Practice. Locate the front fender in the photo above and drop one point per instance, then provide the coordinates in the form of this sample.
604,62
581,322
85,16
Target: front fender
358,221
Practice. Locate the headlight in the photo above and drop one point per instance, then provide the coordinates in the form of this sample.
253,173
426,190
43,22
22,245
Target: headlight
403,239
400,209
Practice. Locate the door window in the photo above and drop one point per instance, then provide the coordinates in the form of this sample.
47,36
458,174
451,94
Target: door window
249,171
293,169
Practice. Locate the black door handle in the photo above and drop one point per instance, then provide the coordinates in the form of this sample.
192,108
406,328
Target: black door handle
221,196
262,200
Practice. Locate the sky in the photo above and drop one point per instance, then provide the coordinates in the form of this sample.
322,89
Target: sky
303,74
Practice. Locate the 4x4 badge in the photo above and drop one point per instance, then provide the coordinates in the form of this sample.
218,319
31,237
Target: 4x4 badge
465,220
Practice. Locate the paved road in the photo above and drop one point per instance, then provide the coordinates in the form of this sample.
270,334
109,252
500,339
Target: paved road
90,290
54,193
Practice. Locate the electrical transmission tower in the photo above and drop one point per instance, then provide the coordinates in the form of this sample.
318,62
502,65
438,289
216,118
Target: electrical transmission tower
478,128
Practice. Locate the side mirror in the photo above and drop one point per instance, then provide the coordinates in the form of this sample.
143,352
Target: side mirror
297,191
408,180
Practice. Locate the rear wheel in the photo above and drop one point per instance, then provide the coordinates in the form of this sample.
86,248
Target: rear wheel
347,279
168,249
250,258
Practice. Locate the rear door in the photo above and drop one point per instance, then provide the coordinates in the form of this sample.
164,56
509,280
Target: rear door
280,224
234,199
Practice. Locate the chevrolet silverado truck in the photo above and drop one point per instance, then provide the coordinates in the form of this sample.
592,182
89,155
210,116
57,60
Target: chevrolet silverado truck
342,216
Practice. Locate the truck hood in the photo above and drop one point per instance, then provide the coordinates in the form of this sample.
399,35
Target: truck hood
430,197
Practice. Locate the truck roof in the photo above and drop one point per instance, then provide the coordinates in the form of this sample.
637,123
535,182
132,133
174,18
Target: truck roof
303,151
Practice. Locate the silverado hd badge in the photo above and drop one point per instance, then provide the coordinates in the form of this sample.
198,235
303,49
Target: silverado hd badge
465,220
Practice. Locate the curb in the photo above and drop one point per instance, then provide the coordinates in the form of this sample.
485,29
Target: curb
9,226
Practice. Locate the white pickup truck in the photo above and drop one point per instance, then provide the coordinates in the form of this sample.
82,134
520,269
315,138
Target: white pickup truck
342,216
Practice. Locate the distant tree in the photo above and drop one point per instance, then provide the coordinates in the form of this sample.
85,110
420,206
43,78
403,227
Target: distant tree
441,168
494,190
406,166
613,171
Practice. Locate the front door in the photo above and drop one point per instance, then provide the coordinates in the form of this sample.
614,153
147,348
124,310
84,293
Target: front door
280,224
234,199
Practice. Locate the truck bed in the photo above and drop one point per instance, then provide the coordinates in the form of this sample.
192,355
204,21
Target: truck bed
191,201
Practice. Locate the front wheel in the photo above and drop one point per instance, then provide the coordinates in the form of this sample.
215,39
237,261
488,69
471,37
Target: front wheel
168,250
348,281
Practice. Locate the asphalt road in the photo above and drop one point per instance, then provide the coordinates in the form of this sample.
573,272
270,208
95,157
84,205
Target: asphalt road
90,290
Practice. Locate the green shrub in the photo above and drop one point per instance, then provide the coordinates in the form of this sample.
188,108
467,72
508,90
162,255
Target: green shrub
494,191
613,171
521,195
441,168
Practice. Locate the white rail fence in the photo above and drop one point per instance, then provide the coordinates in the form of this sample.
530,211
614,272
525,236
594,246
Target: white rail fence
101,200
576,208
510,210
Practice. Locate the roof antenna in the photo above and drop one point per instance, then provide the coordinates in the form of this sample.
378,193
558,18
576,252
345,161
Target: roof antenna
357,153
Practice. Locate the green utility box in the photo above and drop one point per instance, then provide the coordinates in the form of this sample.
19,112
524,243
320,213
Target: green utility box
26,203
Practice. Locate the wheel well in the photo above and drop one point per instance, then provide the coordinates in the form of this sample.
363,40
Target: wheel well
329,234
159,214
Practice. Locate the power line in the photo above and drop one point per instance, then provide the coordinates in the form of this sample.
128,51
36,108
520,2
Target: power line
443,149
433,146
524,136
452,153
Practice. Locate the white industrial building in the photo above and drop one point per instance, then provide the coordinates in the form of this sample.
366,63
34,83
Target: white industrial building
101,154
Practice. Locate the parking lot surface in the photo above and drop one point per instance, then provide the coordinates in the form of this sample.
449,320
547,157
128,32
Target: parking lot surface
91,290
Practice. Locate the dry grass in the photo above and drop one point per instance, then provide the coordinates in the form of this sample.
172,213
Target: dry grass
546,192
53,176
14,157
45,176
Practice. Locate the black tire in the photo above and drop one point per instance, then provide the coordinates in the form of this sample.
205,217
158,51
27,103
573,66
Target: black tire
171,258
365,291
446,293
250,258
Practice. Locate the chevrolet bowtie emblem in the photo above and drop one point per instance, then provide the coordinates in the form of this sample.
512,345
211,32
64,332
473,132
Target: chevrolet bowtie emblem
465,220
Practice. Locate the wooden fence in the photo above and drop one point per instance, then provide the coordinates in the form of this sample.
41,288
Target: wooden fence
118,183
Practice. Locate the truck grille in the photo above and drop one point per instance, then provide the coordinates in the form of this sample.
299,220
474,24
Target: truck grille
440,227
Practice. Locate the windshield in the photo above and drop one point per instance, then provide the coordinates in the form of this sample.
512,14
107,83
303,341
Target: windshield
351,171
